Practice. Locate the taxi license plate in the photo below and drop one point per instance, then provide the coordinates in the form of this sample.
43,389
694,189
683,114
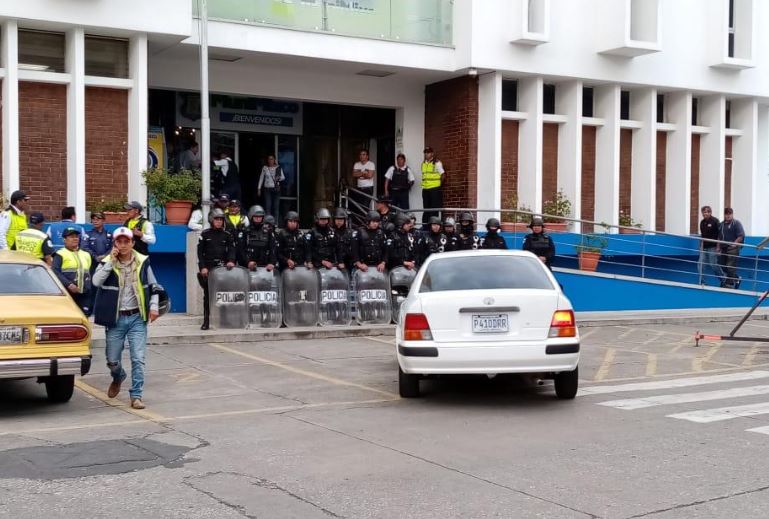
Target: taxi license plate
11,335
485,323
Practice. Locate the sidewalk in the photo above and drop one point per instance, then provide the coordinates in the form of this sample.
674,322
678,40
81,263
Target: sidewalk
185,329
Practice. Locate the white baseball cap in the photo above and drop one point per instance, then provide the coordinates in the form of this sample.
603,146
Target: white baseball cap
122,231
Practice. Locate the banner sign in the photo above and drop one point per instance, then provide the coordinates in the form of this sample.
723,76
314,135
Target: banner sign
156,148
240,113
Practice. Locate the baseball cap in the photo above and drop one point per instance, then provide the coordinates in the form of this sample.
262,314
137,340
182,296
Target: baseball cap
134,205
224,197
36,218
98,215
122,231
235,202
428,149
18,195
69,231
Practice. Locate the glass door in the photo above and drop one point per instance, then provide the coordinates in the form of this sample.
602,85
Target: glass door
288,158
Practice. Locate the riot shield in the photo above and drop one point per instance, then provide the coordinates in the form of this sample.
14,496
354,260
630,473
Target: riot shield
300,296
400,283
334,309
372,293
228,295
264,299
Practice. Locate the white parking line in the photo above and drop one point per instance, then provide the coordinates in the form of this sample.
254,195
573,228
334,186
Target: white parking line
668,384
723,413
759,430
684,398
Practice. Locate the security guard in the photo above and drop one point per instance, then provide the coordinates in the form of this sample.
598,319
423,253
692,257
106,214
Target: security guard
13,220
433,241
368,244
235,222
290,243
432,185
343,239
216,248
401,249
142,229
452,238
493,240
468,240
73,268
99,238
258,243
34,241
539,243
321,242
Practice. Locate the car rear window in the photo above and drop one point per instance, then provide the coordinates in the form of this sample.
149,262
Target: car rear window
20,279
485,273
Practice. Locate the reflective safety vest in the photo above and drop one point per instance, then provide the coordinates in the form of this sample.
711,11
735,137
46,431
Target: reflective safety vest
431,178
237,220
138,223
75,267
18,224
107,305
31,241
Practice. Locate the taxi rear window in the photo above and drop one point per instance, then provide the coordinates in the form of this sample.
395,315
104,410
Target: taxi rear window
485,273
20,279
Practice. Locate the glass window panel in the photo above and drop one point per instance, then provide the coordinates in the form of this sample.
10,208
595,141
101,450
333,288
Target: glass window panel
106,57
40,50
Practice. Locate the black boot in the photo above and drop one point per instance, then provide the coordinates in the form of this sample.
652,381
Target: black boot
204,326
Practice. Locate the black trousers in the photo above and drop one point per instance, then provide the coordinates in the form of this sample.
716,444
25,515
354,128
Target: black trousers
728,260
431,198
203,282
400,199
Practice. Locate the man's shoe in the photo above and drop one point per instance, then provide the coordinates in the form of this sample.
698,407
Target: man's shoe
137,403
114,388
204,326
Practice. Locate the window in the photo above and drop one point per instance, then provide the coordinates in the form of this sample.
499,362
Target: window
740,29
644,17
548,99
472,273
731,29
728,114
537,12
588,102
39,50
18,278
660,108
106,57
509,95
695,111
624,105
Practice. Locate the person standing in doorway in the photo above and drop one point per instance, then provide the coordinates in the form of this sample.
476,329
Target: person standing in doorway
432,185
13,220
730,231
398,182
270,181
142,229
709,228
230,176
364,173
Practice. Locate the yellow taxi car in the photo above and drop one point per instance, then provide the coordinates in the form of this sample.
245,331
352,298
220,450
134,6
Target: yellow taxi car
43,333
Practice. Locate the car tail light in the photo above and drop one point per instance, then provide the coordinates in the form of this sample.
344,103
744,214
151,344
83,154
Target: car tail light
563,324
416,328
60,333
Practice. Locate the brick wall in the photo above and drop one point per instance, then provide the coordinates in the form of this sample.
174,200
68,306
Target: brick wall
43,145
662,141
451,128
106,144
588,174
549,161
694,212
625,169
727,177
509,161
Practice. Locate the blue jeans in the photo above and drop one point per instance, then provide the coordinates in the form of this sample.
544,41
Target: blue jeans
709,257
272,202
134,329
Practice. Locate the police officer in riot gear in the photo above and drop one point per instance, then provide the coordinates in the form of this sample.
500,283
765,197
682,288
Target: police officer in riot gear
216,248
493,240
452,238
402,248
258,242
321,242
468,240
344,239
539,243
387,216
433,241
368,244
290,241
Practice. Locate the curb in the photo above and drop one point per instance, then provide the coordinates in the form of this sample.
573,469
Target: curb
636,321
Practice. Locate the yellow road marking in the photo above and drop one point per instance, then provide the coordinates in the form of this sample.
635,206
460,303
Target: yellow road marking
750,355
117,404
187,377
699,362
76,427
588,333
608,359
651,364
390,342
304,372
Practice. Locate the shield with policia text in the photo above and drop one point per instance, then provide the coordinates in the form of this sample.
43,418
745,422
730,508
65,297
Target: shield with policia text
372,293
334,308
400,283
300,296
265,305
228,295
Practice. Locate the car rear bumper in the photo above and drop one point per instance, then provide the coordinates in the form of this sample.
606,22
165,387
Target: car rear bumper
24,368
473,359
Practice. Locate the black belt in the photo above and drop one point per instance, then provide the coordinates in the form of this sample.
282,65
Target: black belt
126,313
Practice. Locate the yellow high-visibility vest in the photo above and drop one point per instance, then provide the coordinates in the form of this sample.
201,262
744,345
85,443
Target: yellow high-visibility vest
75,264
18,224
31,241
431,178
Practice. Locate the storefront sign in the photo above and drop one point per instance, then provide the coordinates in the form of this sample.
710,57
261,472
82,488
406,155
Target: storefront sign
240,113
156,148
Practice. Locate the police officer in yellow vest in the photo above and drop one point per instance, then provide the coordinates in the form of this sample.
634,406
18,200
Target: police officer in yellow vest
142,229
72,266
13,220
432,186
34,241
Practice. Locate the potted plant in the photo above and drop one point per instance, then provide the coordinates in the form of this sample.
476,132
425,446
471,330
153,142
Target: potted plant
112,208
589,251
176,192
554,211
627,224
516,217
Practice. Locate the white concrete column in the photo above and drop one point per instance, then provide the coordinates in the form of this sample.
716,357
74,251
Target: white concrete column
760,224
713,153
643,185
607,149
409,140
10,61
75,66
747,180
137,118
678,171
489,184
569,103
530,142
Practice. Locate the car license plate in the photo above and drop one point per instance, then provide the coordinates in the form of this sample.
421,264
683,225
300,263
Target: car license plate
11,334
486,323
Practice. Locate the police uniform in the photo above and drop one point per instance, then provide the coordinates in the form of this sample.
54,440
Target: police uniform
368,246
401,247
236,224
99,243
467,239
432,243
142,224
258,246
541,245
73,267
493,240
344,246
34,242
321,245
291,246
216,248
16,221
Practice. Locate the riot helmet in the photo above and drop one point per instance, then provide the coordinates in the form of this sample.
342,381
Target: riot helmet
492,223
269,220
256,210
214,214
323,214
467,216
537,221
292,216
449,222
432,222
373,216
340,213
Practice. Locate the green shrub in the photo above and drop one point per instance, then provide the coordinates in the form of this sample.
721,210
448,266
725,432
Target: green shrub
165,186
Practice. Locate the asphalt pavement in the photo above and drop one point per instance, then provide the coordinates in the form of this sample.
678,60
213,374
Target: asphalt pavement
315,428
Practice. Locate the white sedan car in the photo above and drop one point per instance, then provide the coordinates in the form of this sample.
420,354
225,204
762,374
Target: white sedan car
486,312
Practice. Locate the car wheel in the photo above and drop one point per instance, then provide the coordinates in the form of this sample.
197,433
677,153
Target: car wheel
408,385
566,384
60,388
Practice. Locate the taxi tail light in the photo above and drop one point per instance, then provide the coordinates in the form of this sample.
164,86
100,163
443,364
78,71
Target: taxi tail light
416,328
563,324
60,333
